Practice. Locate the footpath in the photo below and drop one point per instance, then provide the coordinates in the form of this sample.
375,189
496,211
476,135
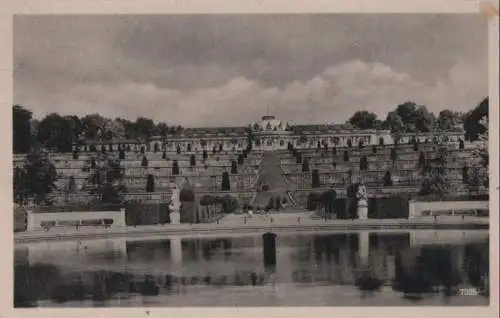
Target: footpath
237,224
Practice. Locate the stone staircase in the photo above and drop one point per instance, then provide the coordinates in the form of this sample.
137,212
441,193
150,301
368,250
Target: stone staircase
270,174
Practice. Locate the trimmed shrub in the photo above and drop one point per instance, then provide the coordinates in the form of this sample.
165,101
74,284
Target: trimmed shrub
143,150
346,156
178,149
150,183
421,160
192,161
298,157
205,155
363,163
144,162
305,165
128,148
277,203
461,144
175,168
315,182
121,154
75,154
334,151
394,154
465,175
188,147
164,155
388,179
381,141
156,147
240,159
349,143
234,167
312,201
225,184
394,207
374,149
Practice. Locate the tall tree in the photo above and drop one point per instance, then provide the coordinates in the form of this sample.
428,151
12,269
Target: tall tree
38,176
56,132
472,122
363,120
94,126
21,129
447,120
145,127
106,180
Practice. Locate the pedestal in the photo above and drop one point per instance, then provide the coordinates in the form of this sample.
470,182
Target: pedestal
362,210
175,218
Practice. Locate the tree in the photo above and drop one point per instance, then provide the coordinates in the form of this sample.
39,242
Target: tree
374,149
21,129
447,120
334,151
305,165
240,159
121,154
106,180
363,120
461,144
36,179
363,163
205,155
55,131
94,126
315,182
192,160
381,141
178,149
346,156
225,185
435,183
150,183
349,143
394,123
175,168
234,167
472,123
144,127
410,117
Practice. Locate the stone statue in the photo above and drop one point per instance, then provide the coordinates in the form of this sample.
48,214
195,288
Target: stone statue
175,206
362,197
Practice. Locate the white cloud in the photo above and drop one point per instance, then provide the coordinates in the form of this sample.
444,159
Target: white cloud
332,95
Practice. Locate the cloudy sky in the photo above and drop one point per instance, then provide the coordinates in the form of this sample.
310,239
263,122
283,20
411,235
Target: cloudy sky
208,70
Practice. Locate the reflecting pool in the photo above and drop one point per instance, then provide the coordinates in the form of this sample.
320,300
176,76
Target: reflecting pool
349,269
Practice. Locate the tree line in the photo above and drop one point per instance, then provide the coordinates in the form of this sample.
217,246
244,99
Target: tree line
58,132
61,132
410,117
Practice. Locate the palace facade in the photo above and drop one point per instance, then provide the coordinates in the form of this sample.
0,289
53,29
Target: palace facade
269,134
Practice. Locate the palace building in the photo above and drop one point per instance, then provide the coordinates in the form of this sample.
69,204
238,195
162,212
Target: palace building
270,134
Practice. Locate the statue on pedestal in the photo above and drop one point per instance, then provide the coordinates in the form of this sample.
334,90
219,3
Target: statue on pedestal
362,196
175,206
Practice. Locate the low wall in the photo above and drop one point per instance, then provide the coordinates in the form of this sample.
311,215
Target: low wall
36,221
419,209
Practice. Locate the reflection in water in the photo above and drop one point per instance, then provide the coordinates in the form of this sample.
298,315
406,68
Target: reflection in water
371,263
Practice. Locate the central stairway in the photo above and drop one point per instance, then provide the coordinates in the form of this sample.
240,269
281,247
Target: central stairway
271,175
